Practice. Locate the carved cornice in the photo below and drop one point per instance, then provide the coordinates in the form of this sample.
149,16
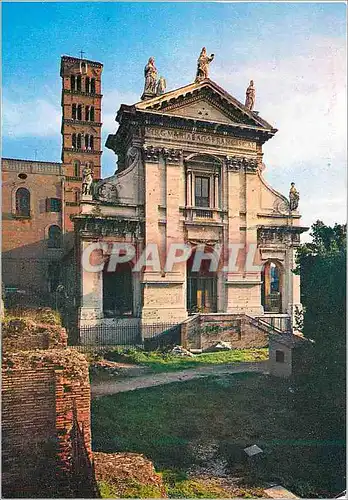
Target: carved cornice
97,225
288,235
172,155
237,163
152,154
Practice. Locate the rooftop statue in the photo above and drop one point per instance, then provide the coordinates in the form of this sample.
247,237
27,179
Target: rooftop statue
250,96
150,73
294,197
161,86
203,65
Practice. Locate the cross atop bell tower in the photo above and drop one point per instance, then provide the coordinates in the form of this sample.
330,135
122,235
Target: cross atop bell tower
81,126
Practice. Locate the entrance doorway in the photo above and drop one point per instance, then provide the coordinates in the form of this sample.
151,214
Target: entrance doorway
271,293
118,291
201,287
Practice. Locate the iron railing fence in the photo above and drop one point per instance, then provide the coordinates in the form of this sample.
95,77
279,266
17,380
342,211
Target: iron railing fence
276,324
154,336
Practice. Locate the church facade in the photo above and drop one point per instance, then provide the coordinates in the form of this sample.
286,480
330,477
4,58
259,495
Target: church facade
188,187
187,224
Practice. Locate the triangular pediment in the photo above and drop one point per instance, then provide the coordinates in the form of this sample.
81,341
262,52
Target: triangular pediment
201,109
204,101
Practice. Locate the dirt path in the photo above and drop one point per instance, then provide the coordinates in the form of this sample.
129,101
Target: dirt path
114,386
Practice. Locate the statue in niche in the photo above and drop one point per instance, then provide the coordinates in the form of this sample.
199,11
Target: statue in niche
87,180
161,86
203,65
250,96
294,197
150,73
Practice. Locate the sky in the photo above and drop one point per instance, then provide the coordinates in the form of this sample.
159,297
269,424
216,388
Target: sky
294,52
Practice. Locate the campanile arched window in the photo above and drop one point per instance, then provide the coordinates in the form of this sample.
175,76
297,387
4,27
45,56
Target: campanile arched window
92,85
23,202
72,82
77,168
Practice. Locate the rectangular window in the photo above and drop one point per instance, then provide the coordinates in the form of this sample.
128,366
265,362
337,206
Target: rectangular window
53,205
280,357
202,190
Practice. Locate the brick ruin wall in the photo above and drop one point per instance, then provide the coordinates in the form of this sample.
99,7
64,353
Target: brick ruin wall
25,334
44,393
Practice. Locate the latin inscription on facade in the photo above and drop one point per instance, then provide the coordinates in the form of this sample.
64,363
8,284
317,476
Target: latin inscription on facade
203,138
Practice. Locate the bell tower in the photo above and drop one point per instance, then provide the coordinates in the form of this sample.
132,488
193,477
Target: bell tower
81,127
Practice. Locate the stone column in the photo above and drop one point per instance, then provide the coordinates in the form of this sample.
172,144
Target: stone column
232,203
91,309
216,190
189,188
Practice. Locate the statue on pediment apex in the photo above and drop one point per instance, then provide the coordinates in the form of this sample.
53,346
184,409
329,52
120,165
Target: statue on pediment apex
250,96
203,65
150,73
161,86
294,197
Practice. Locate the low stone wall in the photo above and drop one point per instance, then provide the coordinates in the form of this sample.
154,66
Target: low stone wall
205,330
25,334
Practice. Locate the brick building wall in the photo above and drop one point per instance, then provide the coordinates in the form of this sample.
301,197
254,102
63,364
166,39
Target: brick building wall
28,261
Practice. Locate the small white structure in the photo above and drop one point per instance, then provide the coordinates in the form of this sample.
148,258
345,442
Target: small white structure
253,450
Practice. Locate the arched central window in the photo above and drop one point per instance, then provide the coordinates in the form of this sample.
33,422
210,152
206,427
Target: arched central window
54,237
23,202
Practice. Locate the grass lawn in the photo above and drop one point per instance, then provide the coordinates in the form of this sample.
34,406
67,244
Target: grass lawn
189,425
158,361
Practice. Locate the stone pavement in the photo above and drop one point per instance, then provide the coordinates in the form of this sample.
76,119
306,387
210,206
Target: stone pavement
123,385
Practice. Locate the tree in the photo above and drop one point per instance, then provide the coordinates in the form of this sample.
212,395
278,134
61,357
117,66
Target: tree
319,396
322,266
